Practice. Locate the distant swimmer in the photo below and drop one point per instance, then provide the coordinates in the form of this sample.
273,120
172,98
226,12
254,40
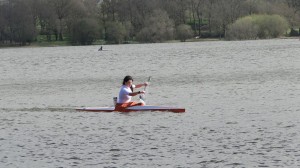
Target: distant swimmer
100,49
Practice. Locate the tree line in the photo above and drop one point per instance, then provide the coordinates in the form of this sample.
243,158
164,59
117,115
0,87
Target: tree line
120,21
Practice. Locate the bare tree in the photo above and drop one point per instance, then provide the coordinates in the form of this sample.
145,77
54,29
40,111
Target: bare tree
175,8
17,23
192,11
209,6
226,12
110,7
62,9
294,4
203,13
200,15
294,19
3,24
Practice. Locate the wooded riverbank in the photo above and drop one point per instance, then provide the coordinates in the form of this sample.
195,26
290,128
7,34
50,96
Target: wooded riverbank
78,22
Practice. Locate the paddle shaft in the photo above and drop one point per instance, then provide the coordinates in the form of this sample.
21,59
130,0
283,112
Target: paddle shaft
149,79
143,96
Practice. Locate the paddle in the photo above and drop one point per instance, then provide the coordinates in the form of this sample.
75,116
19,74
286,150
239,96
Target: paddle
143,96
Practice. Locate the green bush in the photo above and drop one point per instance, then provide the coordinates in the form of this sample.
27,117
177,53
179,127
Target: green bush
243,29
270,26
257,26
84,32
158,28
184,32
115,32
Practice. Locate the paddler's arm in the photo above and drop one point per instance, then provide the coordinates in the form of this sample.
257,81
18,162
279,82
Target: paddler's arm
141,85
136,93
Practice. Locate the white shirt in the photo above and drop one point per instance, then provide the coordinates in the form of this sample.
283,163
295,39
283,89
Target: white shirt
124,94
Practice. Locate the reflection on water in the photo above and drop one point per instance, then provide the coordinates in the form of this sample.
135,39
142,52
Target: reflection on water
241,98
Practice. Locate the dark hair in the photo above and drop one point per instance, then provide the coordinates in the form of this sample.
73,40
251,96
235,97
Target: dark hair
126,79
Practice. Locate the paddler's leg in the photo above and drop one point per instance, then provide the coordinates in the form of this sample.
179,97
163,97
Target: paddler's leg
136,104
121,106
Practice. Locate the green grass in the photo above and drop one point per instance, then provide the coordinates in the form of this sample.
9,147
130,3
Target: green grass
43,42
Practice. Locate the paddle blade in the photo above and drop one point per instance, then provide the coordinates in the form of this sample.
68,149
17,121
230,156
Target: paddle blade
142,101
143,98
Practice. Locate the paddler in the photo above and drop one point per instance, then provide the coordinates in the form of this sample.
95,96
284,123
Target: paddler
126,92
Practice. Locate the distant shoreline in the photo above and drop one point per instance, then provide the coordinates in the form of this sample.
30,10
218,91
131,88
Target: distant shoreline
66,43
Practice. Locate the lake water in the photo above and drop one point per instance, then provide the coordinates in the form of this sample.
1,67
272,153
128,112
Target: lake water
242,103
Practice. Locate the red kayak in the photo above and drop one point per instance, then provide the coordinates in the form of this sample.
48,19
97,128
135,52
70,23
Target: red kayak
133,109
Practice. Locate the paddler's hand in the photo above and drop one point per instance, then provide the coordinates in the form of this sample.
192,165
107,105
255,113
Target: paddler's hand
142,92
146,83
